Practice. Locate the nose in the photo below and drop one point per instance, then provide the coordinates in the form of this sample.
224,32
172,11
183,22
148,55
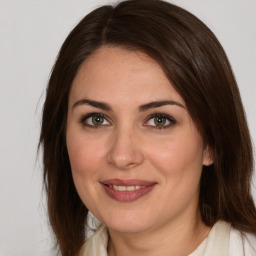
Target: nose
125,152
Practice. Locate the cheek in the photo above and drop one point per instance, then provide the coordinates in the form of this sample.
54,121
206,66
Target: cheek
84,153
84,156
180,164
179,159
177,154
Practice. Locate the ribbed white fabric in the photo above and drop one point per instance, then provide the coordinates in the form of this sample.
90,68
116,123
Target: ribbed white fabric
222,240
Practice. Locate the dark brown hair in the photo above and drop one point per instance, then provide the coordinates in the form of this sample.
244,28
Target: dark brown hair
197,66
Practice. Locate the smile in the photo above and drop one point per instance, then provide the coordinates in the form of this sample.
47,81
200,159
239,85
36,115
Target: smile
127,190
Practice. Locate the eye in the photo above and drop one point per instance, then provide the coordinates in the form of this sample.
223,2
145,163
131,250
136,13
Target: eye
160,121
94,120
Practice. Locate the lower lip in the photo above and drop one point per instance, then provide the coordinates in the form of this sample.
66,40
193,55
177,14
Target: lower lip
127,196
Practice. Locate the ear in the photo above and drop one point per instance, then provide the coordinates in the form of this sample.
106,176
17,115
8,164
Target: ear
207,156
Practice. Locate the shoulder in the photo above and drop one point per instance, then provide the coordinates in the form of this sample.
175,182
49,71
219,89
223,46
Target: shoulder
242,243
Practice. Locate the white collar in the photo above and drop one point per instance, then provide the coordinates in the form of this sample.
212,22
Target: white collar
216,244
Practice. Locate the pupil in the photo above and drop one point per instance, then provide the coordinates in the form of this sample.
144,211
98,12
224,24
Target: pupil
160,121
97,120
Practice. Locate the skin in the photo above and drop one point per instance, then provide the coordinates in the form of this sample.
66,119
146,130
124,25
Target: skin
127,145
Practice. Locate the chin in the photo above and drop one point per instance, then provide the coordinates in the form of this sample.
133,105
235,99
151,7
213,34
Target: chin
128,223
127,228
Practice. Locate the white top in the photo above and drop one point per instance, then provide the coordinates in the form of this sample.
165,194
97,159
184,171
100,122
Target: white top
223,240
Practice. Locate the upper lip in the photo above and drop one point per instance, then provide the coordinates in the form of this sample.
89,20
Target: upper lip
128,182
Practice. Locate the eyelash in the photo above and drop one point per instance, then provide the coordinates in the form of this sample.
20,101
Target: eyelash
89,115
170,119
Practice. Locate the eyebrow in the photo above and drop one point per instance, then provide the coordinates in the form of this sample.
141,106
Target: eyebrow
157,104
144,107
96,104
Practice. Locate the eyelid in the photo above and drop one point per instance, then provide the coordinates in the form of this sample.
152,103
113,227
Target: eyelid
163,115
85,117
93,114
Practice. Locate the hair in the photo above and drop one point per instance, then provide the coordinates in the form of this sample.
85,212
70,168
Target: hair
197,66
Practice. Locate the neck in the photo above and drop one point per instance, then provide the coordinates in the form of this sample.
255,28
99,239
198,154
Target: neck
176,238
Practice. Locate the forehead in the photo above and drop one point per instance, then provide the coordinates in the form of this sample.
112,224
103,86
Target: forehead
121,74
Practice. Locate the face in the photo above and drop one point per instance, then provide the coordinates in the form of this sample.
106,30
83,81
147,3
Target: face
136,156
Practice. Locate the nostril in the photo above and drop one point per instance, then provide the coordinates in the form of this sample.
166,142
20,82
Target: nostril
124,153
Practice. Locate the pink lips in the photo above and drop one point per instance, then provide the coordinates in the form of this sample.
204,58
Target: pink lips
127,190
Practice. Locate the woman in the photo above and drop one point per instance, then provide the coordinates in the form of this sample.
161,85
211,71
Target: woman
143,126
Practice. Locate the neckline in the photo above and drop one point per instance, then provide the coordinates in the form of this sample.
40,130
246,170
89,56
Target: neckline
217,242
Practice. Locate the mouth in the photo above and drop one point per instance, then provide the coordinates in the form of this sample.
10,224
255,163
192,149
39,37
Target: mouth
127,190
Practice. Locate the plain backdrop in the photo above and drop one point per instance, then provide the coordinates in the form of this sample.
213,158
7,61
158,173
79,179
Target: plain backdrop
31,33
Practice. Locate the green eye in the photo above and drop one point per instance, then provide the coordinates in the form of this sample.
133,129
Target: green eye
160,121
97,120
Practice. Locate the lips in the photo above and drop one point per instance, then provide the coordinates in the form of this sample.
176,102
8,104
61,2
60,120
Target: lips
127,190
